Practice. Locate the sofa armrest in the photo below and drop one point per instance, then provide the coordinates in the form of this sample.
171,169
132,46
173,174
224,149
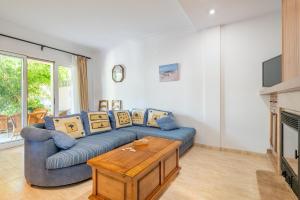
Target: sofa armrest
38,146
36,134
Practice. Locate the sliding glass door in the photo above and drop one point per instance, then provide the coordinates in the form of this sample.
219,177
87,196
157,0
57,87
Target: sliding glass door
12,93
26,94
31,89
40,96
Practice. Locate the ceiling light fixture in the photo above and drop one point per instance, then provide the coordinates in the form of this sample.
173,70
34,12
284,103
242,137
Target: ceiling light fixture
212,11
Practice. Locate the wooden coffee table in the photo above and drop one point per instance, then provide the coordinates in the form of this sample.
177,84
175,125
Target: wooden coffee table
127,175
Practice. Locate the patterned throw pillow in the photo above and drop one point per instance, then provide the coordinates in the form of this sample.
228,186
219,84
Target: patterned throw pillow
95,122
153,115
138,117
122,119
69,125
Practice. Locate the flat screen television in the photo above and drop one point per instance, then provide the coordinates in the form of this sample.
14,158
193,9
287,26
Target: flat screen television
272,72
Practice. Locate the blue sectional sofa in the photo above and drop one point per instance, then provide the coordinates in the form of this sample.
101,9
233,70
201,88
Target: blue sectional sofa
47,165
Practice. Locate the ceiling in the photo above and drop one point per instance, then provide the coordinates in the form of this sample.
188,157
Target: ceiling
103,23
227,11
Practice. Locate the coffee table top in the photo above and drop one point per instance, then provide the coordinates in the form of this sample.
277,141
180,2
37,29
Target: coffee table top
130,163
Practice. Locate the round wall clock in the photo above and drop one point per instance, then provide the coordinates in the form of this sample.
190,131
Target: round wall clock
118,73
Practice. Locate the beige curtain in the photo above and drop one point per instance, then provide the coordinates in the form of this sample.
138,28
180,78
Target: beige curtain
83,82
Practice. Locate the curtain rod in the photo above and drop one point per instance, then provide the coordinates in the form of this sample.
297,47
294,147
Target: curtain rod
43,46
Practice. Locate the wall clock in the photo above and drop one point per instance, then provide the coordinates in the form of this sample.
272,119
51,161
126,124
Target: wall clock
118,73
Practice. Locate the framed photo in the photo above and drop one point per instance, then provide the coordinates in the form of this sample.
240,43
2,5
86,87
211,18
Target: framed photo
116,105
103,105
169,72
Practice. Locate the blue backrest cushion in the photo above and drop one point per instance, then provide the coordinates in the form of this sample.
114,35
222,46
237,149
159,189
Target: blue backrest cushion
95,122
63,140
112,119
167,123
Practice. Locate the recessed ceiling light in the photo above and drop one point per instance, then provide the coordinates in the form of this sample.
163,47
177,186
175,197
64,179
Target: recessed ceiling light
212,11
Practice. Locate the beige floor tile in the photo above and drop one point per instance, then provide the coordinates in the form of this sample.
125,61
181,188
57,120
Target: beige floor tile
206,175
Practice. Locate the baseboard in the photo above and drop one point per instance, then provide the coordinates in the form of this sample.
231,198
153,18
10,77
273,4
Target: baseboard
243,152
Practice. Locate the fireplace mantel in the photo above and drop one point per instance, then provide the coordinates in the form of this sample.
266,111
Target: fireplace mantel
292,85
288,101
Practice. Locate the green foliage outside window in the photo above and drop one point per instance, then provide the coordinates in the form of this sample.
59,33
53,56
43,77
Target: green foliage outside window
10,85
39,84
39,78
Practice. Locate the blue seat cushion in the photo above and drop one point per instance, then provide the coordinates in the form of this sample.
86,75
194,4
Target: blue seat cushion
89,147
183,134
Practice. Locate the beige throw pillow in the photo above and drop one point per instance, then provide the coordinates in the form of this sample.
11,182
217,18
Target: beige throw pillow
70,125
122,118
153,115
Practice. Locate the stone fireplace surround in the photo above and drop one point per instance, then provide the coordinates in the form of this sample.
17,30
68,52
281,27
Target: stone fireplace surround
289,102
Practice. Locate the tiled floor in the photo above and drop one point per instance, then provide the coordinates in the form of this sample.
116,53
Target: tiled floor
206,175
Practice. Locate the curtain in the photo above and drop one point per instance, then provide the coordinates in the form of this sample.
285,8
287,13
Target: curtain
83,82
75,87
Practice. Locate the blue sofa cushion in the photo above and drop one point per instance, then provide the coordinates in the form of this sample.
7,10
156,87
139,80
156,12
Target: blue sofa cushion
63,140
89,147
112,119
183,134
167,123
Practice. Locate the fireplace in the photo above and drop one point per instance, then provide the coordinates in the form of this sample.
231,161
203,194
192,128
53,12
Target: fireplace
290,130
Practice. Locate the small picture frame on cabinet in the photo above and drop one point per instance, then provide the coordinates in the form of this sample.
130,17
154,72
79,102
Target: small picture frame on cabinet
116,104
103,105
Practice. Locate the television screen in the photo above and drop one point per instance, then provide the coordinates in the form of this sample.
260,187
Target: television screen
272,72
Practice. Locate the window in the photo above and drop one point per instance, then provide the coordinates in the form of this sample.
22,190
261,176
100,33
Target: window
11,97
31,89
66,91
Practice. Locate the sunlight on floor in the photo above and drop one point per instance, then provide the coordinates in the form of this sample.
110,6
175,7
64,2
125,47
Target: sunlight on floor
9,137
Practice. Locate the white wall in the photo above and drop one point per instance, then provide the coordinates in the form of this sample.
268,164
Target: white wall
220,79
198,55
47,54
211,54
245,116
131,90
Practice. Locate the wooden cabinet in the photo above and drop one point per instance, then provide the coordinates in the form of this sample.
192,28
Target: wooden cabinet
290,39
142,174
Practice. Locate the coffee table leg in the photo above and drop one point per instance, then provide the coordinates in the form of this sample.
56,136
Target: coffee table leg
94,174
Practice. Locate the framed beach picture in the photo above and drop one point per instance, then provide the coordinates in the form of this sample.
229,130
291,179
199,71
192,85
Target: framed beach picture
116,105
103,105
169,72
